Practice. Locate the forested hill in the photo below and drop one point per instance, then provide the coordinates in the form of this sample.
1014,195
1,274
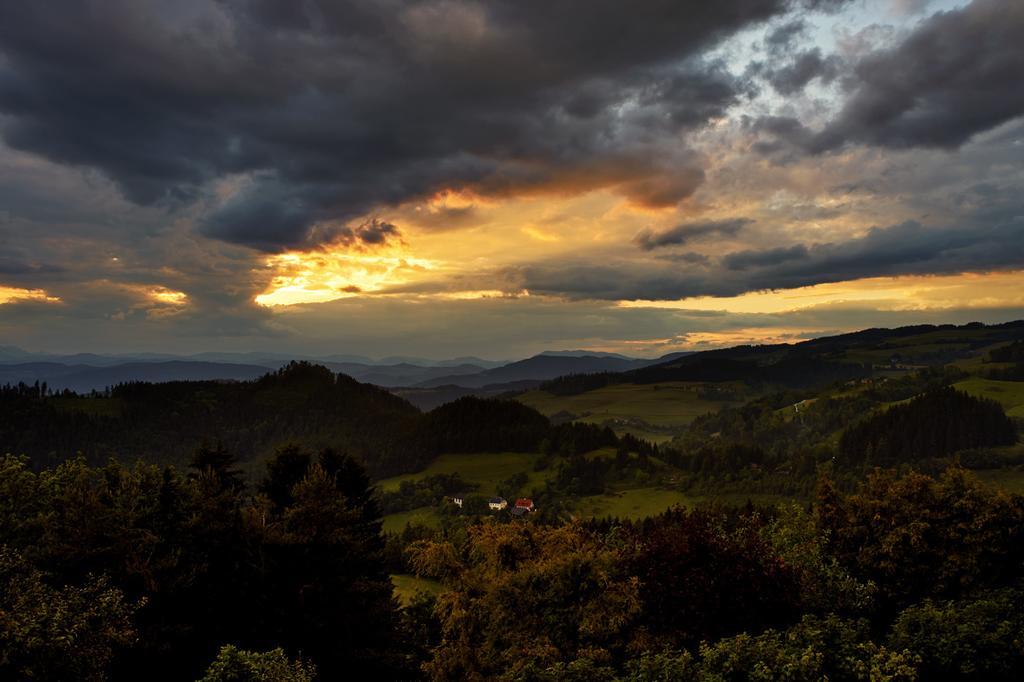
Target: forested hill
165,422
301,404
814,363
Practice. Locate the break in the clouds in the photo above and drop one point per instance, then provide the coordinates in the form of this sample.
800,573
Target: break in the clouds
259,174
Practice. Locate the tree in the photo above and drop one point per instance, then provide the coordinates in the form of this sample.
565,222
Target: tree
58,633
825,585
285,470
237,665
701,579
521,598
321,587
979,638
216,462
813,649
915,536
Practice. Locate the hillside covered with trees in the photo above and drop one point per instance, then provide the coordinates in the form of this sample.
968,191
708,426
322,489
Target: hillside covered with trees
301,403
825,526
144,572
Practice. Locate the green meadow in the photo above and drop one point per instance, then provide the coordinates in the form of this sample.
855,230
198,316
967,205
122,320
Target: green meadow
486,469
1009,394
649,411
406,586
632,504
422,516
1010,480
638,503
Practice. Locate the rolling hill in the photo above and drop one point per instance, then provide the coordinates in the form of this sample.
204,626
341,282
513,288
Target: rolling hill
657,401
539,367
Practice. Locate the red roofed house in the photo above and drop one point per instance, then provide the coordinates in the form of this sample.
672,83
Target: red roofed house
524,503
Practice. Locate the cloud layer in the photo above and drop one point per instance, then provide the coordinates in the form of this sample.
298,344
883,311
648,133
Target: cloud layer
330,109
444,173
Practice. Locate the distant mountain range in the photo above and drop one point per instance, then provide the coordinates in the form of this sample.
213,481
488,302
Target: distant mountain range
83,378
84,372
15,355
540,367
427,383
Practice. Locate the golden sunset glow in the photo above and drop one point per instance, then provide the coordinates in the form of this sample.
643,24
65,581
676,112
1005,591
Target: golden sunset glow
15,294
909,293
167,296
323,276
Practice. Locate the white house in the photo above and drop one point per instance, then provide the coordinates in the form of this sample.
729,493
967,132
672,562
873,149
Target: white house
497,503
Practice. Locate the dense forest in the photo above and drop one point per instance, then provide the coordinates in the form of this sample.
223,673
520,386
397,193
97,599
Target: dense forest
935,424
907,578
148,572
792,372
301,403
143,572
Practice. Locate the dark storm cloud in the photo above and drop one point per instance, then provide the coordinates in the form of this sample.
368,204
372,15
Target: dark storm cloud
956,75
743,260
804,68
16,266
648,240
333,108
781,39
373,232
992,240
691,257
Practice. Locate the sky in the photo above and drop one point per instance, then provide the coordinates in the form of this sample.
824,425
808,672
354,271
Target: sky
500,177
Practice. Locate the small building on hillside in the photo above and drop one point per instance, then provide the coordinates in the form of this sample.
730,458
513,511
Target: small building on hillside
458,499
524,503
497,503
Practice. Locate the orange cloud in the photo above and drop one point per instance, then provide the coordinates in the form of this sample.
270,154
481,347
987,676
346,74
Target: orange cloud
16,294
327,275
917,292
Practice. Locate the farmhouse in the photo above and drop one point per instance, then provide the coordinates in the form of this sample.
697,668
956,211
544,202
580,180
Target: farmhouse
524,503
497,503
458,499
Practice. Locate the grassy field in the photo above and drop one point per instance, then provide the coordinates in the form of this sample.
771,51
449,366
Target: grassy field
406,586
423,516
485,469
651,434
639,503
1011,480
633,504
635,407
1009,394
